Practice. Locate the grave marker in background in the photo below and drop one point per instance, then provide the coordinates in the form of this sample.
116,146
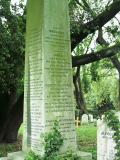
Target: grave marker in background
84,119
77,122
105,143
91,118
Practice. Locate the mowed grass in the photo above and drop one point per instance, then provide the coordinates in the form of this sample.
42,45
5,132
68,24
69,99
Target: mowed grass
86,140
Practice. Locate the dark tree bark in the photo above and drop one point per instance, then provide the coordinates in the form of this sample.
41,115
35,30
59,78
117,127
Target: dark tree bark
95,56
78,93
4,98
11,118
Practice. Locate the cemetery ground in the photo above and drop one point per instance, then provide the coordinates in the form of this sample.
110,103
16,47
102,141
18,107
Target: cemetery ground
86,140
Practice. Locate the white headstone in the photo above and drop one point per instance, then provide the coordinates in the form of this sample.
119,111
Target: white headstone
91,118
84,119
105,143
94,120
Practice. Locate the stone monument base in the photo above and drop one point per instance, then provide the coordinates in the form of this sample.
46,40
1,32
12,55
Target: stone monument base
16,156
21,156
84,155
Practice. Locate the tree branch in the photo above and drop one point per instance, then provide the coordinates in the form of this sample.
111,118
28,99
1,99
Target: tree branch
95,24
92,57
103,42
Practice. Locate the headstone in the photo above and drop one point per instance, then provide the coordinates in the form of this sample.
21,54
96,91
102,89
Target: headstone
105,143
91,118
84,119
95,120
48,94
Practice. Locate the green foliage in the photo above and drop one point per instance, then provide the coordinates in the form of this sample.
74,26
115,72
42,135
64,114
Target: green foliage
85,80
32,156
67,156
12,29
86,138
114,124
82,12
53,143
105,105
94,71
104,90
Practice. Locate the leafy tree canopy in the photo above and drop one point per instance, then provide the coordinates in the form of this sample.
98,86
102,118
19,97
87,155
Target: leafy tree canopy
12,29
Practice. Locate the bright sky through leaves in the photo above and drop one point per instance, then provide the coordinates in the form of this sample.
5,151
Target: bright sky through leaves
17,1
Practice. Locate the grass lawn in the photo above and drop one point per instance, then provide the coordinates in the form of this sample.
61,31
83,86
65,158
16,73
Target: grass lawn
86,139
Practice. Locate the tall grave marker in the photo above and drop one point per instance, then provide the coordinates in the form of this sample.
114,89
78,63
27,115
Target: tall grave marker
48,75
105,142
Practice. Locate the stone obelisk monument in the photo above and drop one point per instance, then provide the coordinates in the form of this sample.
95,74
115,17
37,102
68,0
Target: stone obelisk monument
48,75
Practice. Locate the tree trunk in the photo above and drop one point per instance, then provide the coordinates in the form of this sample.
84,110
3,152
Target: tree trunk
78,93
11,117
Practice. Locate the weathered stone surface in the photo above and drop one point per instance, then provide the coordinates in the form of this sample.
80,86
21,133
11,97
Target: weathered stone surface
84,155
91,118
16,156
21,155
48,75
105,143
